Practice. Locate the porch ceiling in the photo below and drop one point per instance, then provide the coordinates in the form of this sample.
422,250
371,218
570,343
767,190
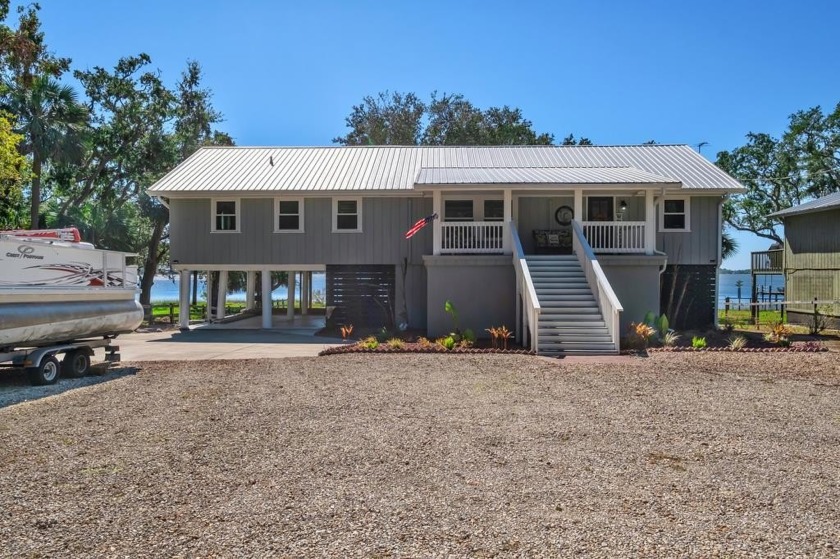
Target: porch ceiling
440,176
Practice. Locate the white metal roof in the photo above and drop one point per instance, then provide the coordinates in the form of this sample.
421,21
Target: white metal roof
539,175
829,202
397,168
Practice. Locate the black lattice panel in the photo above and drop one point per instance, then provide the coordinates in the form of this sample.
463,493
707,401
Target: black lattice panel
696,285
361,295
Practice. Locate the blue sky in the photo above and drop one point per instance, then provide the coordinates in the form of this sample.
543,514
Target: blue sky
288,73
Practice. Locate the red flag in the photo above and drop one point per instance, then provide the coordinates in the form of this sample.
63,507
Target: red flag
419,225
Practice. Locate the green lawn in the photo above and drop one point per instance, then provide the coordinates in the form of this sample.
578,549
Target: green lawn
163,311
742,317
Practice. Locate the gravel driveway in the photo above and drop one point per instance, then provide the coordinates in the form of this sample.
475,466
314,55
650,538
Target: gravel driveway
430,455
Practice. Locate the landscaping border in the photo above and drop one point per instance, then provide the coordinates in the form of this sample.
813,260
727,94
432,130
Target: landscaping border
339,350
791,349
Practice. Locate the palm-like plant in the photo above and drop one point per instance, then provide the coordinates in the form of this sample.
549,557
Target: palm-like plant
52,122
729,246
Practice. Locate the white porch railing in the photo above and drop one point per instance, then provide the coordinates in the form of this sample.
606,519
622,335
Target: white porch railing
601,289
472,237
615,236
528,308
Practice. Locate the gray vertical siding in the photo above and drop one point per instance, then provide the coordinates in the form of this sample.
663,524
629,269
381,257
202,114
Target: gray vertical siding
812,256
384,222
699,246
812,241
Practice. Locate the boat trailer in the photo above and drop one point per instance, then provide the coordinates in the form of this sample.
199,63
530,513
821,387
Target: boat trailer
43,367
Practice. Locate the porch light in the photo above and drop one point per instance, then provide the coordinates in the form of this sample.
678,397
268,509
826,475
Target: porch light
623,205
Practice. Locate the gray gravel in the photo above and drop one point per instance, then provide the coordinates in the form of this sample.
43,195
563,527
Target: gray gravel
15,387
427,455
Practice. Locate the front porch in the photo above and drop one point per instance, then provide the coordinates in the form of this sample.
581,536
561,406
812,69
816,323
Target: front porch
615,222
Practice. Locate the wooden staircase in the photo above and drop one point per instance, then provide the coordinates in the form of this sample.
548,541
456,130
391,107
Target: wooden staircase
570,321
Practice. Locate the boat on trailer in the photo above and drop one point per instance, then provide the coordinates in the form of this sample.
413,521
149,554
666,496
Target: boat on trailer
56,290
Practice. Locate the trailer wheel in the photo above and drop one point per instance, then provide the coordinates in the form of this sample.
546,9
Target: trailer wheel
45,373
75,364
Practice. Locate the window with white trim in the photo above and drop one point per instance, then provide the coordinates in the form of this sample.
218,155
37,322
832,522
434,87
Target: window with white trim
457,210
347,215
288,215
674,215
494,210
224,216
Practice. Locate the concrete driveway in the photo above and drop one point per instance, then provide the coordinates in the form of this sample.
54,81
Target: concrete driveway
203,343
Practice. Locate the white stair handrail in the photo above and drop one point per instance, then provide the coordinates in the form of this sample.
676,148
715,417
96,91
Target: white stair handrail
524,285
602,290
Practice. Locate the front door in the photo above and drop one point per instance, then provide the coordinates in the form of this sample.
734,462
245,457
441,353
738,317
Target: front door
599,208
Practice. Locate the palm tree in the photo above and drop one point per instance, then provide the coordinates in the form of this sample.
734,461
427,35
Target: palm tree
729,246
51,121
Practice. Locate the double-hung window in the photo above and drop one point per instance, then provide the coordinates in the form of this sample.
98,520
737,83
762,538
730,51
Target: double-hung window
674,215
494,210
288,215
347,215
224,216
458,210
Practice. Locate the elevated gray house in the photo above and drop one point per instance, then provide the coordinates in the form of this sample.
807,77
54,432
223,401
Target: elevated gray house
564,245
810,260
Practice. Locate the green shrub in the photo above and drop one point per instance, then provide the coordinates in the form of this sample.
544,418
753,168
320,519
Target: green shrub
698,343
369,343
450,309
383,335
447,343
468,337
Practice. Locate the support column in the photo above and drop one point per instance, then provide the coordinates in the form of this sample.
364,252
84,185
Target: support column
304,293
184,300
250,289
579,205
209,296
508,218
309,293
266,298
650,223
195,287
290,310
221,300
437,207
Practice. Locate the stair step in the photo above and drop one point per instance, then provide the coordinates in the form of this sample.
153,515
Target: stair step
553,257
538,268
558,301
570,311
603,346
554,284
570,352
562,322
557,274
554,266
565,297
599,339
563,291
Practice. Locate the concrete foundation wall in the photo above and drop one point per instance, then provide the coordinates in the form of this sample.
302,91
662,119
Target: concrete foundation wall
482,288
635,280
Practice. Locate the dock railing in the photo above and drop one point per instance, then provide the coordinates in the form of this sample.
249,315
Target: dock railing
767,261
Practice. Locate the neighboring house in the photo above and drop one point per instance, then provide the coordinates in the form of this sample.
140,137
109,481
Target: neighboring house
811,257
564,245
